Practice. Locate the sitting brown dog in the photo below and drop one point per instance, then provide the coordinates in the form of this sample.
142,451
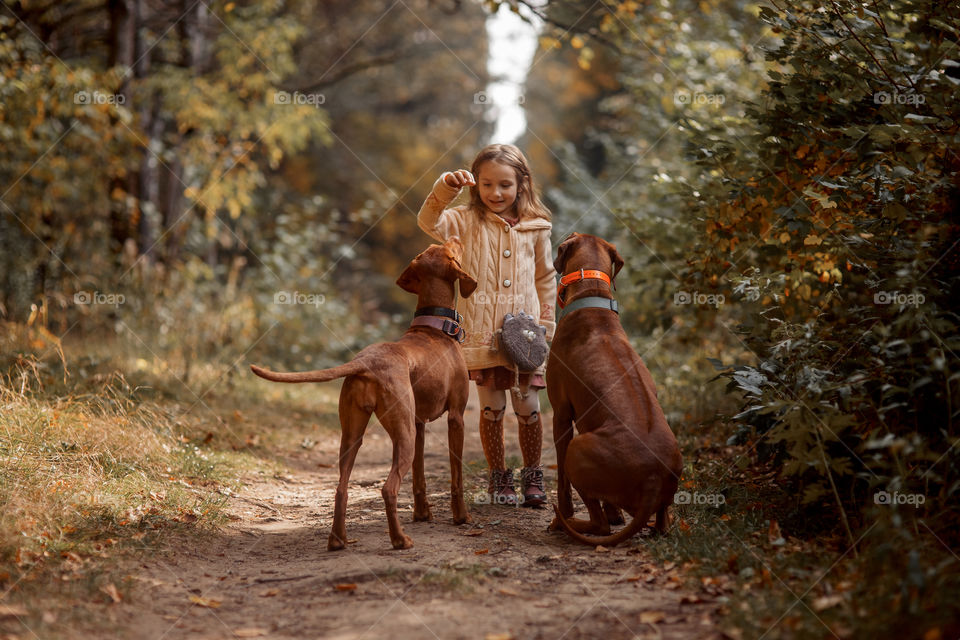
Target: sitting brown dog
406,383
625,456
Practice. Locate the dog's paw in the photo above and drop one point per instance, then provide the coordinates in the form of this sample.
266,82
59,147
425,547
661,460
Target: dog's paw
554,524
462,519
334,543
423,516
404,542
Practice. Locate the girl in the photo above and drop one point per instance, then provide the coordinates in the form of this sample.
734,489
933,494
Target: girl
505,231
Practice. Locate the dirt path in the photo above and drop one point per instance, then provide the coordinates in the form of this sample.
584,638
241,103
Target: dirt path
268,574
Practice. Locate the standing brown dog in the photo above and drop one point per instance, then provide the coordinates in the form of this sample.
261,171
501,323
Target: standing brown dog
625,456
406,383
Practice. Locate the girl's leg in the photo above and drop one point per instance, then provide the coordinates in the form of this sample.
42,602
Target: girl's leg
527,410
494,405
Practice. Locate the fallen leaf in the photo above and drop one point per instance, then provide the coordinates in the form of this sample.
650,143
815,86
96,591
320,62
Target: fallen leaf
11,610
691,599
508,592
773,533
652,617
111,590
480,552
346,586
825,602
324,465
474,532
209,603
633,579
499,636
250,632
72,557
269,593
601,549
353,541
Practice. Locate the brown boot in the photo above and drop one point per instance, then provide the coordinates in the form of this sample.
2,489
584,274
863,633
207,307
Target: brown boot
531,480
501,488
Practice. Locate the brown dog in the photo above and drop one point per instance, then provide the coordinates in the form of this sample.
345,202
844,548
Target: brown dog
625,455
406,383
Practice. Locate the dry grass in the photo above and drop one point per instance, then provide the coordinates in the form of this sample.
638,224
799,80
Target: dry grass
78,472
107,452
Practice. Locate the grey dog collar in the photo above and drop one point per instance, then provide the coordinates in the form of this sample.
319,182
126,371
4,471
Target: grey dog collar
589,302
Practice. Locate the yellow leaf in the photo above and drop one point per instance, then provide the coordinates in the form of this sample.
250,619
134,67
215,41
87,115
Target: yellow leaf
652,617
784,237
813,239
205,602
111,591
577,42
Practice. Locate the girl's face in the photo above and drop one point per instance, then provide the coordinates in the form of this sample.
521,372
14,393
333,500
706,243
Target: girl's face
497,184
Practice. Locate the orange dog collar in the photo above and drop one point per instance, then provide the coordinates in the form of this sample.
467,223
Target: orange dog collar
577,276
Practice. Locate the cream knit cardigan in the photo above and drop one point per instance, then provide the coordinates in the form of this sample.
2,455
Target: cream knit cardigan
513,267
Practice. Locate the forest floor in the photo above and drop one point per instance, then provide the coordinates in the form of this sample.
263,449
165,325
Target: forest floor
267,572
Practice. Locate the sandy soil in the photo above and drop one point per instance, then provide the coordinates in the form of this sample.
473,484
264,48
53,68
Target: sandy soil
268,574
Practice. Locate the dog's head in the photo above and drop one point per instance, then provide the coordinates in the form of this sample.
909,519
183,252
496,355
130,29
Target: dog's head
583,251
440,261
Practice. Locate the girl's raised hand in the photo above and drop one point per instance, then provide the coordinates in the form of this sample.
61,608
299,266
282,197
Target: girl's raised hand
459,179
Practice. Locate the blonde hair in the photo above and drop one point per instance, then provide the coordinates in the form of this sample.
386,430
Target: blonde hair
528,203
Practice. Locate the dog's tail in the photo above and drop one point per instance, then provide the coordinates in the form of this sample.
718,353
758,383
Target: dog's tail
612,540
319,375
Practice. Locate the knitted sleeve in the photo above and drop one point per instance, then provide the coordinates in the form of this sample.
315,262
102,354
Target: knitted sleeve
434,218
546,281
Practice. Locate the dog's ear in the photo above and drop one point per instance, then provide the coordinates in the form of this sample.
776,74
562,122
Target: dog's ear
467,284
562,250
615,260
409,280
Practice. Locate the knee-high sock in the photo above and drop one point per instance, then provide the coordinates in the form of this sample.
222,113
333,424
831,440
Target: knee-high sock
494,405
530,429
531,438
